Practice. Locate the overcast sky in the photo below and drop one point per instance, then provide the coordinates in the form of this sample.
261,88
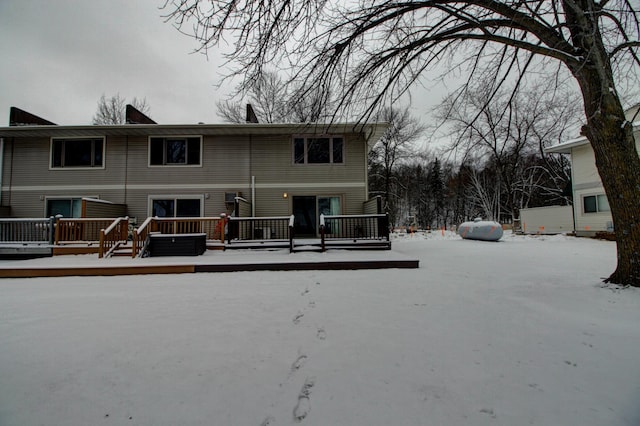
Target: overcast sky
59,57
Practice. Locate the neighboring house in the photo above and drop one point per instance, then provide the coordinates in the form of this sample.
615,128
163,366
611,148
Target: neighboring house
590,205
186,170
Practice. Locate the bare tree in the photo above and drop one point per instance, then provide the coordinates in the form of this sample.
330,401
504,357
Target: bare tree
112,110
274,101
377,49
510,134
395,145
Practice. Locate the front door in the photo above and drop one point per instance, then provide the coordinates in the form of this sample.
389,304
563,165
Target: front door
304,212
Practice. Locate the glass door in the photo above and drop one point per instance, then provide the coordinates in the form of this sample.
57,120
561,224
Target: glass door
304,212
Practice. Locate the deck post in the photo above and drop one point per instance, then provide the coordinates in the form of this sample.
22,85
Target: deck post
101,247
52,229
57,229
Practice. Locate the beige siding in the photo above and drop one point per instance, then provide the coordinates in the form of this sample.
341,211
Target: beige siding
225,161
273,163
228,165
97,209
276,174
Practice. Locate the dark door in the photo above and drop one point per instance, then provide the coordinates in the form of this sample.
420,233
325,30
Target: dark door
304,211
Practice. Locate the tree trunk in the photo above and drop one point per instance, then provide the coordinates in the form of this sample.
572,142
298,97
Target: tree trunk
611,138
619,167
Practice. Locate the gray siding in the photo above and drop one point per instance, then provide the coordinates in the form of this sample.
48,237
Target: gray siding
228,164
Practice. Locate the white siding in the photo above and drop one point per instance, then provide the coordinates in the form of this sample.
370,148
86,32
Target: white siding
547,220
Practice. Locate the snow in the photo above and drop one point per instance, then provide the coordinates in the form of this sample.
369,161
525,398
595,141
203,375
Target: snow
515,332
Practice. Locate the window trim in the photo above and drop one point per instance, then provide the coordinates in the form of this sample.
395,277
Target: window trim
174,197
598,211
306,137
104,153
149,165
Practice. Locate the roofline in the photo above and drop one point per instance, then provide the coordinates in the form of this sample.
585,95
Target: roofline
372,131
567,146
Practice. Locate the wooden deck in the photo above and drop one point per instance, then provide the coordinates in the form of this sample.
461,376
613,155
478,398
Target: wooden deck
190,268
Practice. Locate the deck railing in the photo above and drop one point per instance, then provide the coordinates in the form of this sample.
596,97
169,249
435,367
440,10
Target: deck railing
113,236
28,230
355,228
140,236
213,227
243,229
78,230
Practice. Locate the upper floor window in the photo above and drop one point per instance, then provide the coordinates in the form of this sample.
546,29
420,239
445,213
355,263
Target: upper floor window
595,203
77,152
175,151
318,150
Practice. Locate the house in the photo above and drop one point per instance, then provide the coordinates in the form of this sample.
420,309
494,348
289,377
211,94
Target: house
591,211
143,169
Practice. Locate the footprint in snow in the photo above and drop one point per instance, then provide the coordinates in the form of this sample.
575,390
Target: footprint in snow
302,408
298,317
321,334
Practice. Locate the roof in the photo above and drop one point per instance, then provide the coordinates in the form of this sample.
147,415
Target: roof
372,131
566,147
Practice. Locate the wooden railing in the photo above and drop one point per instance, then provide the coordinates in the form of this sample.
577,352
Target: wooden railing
29,230
213,227
140,236
369,228
243,229
76,230
113,236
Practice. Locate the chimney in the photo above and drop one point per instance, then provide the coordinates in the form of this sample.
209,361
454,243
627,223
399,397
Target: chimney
251,115
18,117
133,116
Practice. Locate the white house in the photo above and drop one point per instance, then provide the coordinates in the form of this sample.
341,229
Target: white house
590,206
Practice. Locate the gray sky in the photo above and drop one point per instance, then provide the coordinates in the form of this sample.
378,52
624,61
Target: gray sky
60,56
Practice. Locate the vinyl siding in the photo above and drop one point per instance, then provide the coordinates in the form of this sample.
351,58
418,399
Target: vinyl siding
223,161
228,163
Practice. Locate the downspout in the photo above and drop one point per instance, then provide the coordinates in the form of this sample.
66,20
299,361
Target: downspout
126,169
253,196
253,178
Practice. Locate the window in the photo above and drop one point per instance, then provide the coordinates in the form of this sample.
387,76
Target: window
175,151
595,203
318,150
67,207
77,152
176,207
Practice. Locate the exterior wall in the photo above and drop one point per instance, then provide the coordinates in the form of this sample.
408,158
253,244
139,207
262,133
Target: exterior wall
373,206
547,220
227,165
98,209
586,182
276,174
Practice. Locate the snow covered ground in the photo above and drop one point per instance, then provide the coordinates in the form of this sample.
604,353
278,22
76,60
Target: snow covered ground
518,332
